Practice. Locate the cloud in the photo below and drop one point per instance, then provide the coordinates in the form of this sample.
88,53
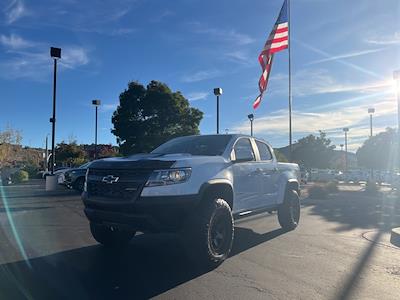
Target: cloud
36,64
229,35
14,41
73,57
109,107
346,55
240,57
201,75
163,15
102,17
339,60
393,39
320,81
275,124
14,11
197,96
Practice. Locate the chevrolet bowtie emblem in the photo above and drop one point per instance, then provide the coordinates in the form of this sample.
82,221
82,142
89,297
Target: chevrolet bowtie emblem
110,179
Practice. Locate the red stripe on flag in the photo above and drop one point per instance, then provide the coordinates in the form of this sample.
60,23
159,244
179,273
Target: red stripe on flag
274,50
281,30
276,40
257,102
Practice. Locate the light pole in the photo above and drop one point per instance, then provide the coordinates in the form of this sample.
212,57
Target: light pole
55,53
251,118
51,181
46,155
217,92
346,130
96,104
396,76
371,111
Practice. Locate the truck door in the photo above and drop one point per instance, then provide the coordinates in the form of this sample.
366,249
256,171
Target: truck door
270,175
245,177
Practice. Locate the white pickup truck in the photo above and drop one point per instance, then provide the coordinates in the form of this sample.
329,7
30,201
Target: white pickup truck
193,185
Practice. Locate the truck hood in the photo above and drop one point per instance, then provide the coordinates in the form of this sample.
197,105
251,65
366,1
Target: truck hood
153,161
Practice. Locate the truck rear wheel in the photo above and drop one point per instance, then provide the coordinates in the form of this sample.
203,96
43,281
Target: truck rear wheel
289,211
110,237
209,236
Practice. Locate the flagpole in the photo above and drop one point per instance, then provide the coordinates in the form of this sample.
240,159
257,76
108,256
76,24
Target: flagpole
290,85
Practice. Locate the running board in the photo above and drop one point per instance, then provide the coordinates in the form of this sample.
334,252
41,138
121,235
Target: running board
257,211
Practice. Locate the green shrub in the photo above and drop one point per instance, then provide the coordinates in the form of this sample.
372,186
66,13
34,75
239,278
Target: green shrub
20,176
32,170
332,187
317,192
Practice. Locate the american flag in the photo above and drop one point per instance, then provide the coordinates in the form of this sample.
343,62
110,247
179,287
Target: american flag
277,41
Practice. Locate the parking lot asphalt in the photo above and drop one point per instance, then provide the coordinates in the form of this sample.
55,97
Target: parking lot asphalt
340,250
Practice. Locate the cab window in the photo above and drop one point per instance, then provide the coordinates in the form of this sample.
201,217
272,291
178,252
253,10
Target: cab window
263,149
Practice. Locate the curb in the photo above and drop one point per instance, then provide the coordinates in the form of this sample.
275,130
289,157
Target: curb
395,236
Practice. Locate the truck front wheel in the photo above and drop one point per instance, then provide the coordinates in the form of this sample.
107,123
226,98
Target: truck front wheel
289,211
110,237
209,235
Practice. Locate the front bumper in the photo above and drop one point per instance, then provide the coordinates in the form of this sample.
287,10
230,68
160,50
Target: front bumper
146,214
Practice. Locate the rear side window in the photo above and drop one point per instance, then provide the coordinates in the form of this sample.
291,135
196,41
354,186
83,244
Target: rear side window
263,149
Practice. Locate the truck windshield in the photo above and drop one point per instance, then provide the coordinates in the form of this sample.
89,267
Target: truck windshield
210,145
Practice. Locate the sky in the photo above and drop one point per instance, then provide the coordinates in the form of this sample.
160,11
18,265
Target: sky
343,57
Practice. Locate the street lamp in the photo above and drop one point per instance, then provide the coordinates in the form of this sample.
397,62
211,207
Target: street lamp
346,130
217,92
51,181
371,111
55,53
96,104
251,118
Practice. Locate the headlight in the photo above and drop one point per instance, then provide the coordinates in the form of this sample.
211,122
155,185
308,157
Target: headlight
167,177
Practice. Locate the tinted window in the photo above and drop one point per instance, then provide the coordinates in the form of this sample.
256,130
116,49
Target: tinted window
243,149
265,154
209,145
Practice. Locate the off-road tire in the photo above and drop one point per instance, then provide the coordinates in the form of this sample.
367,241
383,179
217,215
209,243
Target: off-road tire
208,236
289,210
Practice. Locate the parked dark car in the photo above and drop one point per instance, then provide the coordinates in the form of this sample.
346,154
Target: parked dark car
75,178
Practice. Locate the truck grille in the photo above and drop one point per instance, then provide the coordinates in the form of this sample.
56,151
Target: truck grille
128,186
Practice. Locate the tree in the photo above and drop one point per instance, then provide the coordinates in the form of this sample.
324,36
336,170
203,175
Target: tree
70,154
280,156
314,151
9,138
148,116
380,151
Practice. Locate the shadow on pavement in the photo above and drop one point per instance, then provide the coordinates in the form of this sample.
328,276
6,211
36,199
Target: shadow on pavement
358,210
346,292
151,265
